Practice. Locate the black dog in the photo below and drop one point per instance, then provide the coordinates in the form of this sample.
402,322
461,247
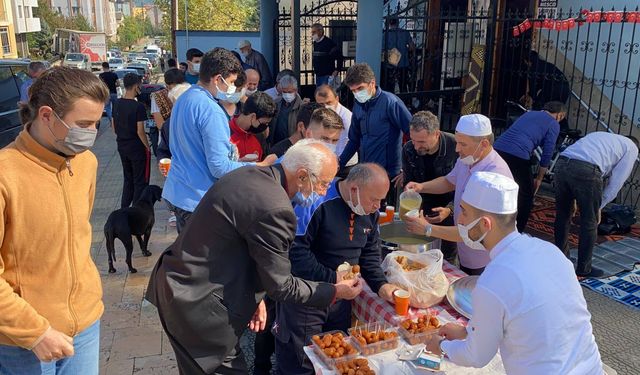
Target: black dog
136,220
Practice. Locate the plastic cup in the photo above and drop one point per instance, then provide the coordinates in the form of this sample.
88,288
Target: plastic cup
251,157
165,165
383,218
413,214
401,299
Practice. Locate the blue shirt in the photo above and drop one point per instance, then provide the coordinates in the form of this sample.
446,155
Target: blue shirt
200,148
192,79
24,90
531,130
399,39
376,132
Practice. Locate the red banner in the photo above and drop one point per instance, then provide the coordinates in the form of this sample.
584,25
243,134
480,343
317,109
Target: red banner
571,23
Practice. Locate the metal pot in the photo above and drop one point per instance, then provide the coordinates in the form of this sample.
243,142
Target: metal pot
395,236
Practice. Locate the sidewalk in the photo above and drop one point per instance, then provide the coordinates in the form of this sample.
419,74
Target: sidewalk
132,341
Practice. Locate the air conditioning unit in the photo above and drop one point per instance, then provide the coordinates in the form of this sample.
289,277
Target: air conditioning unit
349,48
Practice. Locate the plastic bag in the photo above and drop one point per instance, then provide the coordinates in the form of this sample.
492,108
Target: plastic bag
426,285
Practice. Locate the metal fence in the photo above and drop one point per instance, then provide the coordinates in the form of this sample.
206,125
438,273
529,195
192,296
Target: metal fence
475,59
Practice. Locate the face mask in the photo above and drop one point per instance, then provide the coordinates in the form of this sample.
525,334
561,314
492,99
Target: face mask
358,210
362,96
245,54
289,97
235,97
300,200
224,96
259,129
315,38
330,146
469,159
76,141
251,92
195,68
464,233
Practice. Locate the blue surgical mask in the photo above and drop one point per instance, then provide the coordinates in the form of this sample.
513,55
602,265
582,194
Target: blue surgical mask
224,96
362,96
300,200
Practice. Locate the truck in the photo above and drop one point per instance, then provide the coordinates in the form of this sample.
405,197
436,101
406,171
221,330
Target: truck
91,44
153,49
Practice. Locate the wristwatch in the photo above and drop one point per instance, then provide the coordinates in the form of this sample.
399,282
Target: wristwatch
427,230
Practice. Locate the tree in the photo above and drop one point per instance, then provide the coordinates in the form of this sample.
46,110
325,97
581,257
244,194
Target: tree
219,15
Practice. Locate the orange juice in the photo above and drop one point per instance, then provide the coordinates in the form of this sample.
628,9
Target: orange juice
165,165
401,299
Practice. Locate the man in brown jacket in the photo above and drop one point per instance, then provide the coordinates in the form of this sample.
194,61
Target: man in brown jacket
50,291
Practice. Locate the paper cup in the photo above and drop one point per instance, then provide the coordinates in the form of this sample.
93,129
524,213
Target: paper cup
251,157
413,214
401,299
165,164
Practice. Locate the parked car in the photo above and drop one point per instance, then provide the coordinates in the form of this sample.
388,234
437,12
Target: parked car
117,63
145,61
152,58
77,60
12,74
142,70
132,56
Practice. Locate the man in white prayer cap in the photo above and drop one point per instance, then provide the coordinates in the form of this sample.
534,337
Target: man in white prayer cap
474,145
527,303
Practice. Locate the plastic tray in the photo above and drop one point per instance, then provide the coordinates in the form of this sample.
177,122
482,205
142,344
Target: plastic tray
377,347
333,362
417,338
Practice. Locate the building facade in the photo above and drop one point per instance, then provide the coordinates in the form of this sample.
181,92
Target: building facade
101,14
7,31
24,21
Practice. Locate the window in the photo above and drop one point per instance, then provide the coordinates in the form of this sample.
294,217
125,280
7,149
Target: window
75,11
19,11
4,39
35,13
27,12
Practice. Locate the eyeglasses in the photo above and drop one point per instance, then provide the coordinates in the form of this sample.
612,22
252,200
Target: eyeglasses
323,184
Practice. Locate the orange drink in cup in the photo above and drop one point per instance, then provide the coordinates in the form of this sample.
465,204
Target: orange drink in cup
165,164
401,299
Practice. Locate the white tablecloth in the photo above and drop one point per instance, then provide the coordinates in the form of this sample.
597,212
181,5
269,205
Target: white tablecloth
388,363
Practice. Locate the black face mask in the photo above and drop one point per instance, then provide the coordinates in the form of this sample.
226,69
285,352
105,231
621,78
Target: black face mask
259,129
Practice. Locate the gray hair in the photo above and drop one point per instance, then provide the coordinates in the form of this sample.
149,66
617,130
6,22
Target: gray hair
365,173
424,120
288,81
306,154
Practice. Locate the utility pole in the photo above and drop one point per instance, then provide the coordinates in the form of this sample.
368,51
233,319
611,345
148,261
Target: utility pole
174,26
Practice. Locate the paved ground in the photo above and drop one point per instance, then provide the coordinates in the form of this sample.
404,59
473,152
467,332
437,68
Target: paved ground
132,341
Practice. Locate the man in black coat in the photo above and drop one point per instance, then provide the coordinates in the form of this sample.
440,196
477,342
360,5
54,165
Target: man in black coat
327,58
209,284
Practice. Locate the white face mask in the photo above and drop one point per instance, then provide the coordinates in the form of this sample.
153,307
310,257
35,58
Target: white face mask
362,96
289,97
196,68
315,38
464,233
251,92
357,209
469,159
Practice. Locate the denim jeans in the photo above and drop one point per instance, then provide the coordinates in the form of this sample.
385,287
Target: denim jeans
581,181
182,216
108,107
18,361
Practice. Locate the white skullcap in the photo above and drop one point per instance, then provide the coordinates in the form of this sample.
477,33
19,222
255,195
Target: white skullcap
243,43
491,192
475,125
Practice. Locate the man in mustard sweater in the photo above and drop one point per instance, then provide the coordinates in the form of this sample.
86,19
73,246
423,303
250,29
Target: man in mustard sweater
50,291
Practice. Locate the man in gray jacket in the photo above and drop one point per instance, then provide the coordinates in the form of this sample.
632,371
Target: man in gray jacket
208,286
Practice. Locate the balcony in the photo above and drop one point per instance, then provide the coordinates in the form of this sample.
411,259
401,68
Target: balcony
28,25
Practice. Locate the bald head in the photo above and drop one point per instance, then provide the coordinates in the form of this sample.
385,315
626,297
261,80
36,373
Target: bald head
253,79
370,182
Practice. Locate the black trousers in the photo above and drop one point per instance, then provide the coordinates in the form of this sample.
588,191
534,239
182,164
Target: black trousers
580,181
135,170
521,171
265,344
296,324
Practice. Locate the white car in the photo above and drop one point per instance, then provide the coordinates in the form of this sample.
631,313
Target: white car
145,61
116,63
77,60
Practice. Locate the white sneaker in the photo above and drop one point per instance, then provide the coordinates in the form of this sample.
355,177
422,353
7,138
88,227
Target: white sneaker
172,220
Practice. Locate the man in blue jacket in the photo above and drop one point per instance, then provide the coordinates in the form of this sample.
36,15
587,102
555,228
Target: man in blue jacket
340,227
378,121
200,146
